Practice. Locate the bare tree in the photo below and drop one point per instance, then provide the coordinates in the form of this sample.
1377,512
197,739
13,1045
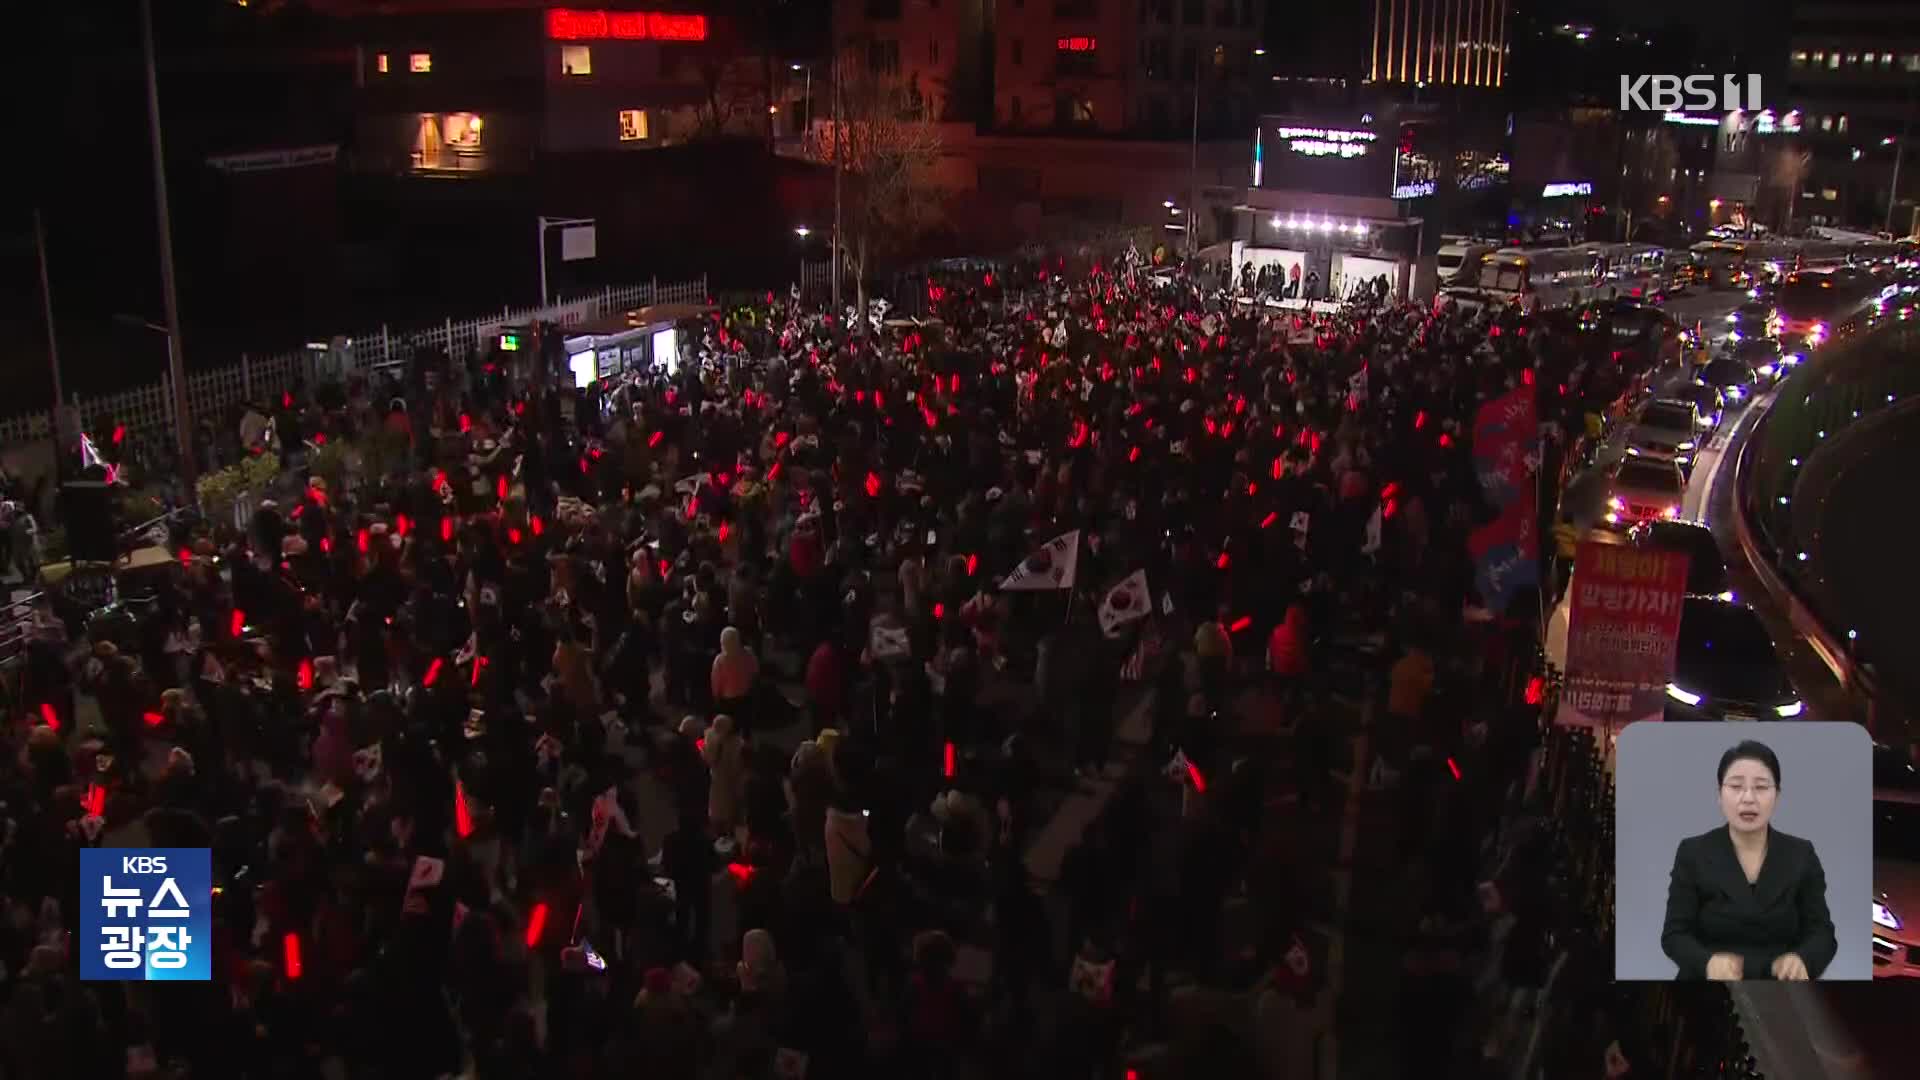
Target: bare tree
732,96
889,150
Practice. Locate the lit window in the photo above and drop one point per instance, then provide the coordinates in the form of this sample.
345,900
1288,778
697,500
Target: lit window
633,125
1912,62
1833,61
1826,123
420,63
461,130
576,60
1842,125
380,63
1853,58
1830,194
1819,57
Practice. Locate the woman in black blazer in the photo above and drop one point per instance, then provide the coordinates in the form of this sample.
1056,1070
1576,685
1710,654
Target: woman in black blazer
1748,901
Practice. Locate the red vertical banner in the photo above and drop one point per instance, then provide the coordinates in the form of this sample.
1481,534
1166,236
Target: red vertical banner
1624,626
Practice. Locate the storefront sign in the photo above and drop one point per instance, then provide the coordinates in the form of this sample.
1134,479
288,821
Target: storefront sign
270,160
1077,44
1556,191
1327,142
1415,191
565,24
1691,121
1623,628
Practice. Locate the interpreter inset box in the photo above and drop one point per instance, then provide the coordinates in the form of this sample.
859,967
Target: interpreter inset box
1743,852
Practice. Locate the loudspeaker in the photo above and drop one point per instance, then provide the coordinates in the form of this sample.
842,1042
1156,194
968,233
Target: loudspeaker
87,513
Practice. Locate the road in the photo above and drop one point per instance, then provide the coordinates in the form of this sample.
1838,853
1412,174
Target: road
1709,500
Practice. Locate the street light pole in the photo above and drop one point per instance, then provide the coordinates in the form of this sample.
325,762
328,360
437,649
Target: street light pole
540,241
1193,167
176,362
53,344
1899,151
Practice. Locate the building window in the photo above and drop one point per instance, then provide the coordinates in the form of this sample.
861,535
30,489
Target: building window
1246,14
576,60
448,141
1826,123
380,63
1841,125
420,63
1853,58
1189,63
1220,57
1913,62
1193,12
1223,13
1800,59
1017,52
1886,59
883,57
1829,194
633,125
1162,11
1073,111
1833,61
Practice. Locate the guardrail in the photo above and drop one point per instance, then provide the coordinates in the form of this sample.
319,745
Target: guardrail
16,627
1855,382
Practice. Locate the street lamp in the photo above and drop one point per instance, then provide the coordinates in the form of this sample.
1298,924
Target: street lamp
540,240
808,68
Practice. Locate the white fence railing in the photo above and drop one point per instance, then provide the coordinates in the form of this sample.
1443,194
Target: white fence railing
148,410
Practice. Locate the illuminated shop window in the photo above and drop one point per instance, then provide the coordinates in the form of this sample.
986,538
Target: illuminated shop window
633,125
420,63
449,141
576,60
380,63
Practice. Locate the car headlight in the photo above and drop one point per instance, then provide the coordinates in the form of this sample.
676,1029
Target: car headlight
1703,421
1681,459
1767,370
1615,503
1736,392
1791,359
1884,916
1727,596
1682,696
1633,450
1733,335
1685,446
1671,513
1791,709
1733,318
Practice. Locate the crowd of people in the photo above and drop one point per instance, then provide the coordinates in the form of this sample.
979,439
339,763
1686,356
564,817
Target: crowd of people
681,725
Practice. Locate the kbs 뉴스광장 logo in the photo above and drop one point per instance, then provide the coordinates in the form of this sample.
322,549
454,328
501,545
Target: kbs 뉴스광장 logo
1690,93
146,914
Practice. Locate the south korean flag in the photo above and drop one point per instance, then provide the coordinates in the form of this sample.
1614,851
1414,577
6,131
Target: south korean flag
1125,603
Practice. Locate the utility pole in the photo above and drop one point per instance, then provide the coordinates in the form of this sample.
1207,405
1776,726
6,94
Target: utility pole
53,344
833,271
176,363
1193,167
1899,151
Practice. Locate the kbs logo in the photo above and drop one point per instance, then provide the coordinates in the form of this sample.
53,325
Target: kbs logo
1690,93
146,914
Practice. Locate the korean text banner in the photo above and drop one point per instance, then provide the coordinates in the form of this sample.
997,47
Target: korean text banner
1505,432
1623,627
146,914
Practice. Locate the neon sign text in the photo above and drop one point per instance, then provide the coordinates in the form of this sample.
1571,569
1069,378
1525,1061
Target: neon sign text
567,24
1077,44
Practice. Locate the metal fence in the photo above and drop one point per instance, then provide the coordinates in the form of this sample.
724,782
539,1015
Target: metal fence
145,411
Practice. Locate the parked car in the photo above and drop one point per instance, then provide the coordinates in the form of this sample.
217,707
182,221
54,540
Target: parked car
1733,377
1666,430
1753,319
1725,667
1896,863
1644,489
1708,401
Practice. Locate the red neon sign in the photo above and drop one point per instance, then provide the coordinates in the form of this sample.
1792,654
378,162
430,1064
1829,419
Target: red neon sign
1077,44
566,24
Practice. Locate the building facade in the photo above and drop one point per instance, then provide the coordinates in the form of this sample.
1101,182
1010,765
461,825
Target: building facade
490,89
1440,42
1854,75
1068,66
